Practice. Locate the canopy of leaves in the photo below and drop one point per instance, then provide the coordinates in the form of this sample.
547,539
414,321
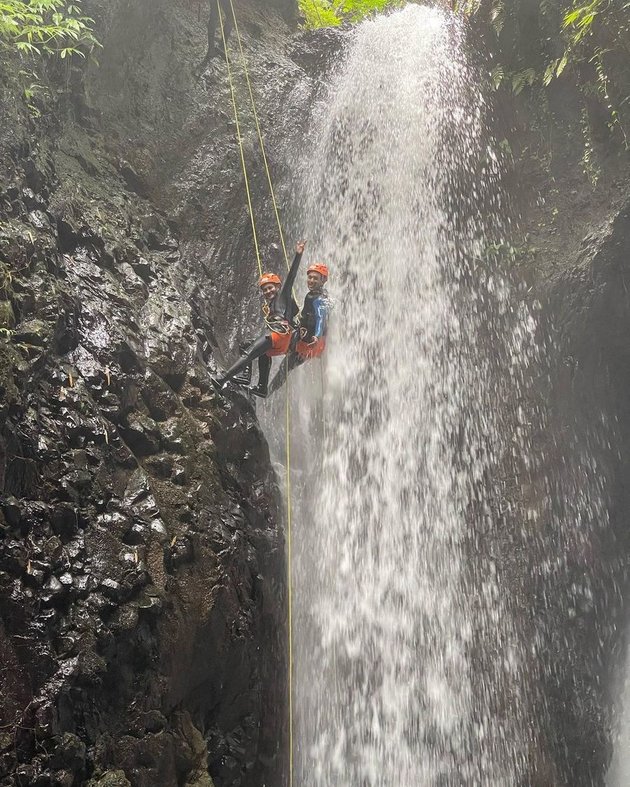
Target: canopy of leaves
45,27
329,13
547,35
538,41
534,43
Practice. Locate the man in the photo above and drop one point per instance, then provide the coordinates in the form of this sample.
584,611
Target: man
213,24
313,324
269,284
279,309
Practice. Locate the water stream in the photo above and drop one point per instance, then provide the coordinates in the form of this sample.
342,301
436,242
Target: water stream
394,686
618,774
432,577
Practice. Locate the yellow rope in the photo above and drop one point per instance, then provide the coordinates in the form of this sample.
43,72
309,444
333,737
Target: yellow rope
240,142
260,136
288,400
323,389
289,583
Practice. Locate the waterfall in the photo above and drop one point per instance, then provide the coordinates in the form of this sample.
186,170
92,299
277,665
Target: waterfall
618,774
406,663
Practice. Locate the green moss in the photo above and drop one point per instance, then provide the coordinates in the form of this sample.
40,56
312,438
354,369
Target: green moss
110,779
7,315
8,360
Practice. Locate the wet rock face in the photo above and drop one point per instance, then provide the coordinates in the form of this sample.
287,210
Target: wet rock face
589,315
576,241
141,549
135,560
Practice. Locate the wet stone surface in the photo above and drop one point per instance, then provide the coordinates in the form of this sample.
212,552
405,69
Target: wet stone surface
141,569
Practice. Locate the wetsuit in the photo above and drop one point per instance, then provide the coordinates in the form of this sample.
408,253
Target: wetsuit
276,340
213,23
311,341
264,361
313,325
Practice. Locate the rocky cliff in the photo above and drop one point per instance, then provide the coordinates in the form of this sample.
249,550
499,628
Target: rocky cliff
142,597
571,252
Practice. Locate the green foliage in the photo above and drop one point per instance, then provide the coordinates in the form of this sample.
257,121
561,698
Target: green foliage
46,27
584,42
580,20
530,33
330,13
32,90
521,79
318,13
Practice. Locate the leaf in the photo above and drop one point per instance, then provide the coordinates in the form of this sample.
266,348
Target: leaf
550,73
497,75
587,20
497,15
53,24
522,79
562,64
572,17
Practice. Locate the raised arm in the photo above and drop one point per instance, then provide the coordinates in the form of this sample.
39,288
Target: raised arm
283,298
290,280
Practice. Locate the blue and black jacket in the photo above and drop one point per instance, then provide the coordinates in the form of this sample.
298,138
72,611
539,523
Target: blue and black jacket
314,316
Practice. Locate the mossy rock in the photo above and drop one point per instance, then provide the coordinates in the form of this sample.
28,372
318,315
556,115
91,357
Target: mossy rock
110,779
202,780
7,315
8,361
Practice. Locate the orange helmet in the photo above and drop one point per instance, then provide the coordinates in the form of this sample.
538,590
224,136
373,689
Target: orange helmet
269,278
320,268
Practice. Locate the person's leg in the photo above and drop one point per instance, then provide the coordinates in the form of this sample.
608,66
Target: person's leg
228,19
293,360
259,347
264,368
213,23
245,376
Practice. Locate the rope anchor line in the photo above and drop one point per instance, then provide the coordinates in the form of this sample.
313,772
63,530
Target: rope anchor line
240,140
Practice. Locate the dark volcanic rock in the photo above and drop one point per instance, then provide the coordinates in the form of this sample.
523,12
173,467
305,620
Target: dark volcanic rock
569,572
141,571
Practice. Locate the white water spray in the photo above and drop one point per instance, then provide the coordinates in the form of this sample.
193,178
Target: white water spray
618,774
393,624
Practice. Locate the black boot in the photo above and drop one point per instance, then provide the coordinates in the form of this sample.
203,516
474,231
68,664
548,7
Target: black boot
244,377
258,390
218,382
256,350
264,367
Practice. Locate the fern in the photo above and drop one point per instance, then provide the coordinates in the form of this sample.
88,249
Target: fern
580,20
521,79
497,15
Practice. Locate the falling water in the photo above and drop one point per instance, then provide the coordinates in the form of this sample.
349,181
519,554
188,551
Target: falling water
618,774
406,663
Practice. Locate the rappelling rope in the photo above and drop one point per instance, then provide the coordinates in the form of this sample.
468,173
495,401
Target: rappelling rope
288,402
289,574
260,136
240,142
